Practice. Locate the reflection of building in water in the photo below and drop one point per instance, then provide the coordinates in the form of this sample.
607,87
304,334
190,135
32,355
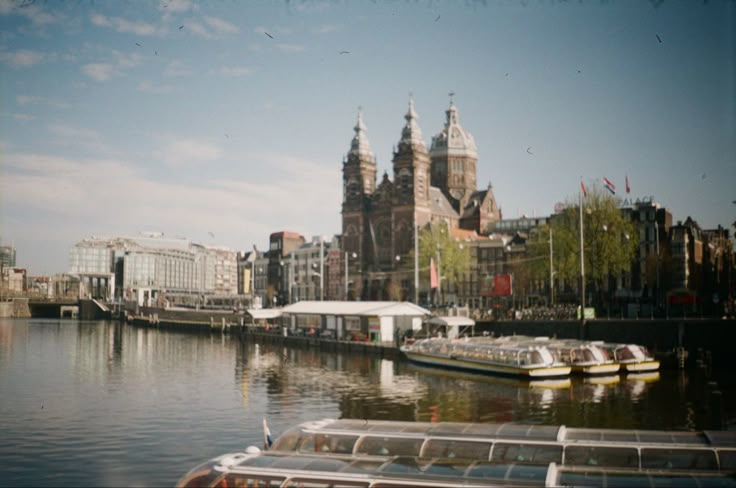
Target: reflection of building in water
398,386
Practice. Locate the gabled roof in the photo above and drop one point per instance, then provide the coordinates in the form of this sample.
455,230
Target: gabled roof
382,308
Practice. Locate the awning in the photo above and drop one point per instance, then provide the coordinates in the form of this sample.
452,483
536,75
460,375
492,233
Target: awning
264,313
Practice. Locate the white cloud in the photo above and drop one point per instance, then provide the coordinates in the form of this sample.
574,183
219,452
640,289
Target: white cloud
177,68
236,71
290,48
123,25
21,117
99,71
220,25
22,58
36,100
184,152
327,29
65,135
147,87
240,213
106,71
199,29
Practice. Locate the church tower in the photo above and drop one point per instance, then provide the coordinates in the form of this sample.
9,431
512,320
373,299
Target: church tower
411,166
359,184
454,160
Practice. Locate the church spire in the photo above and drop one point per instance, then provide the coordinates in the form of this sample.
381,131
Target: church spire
411,134
360,145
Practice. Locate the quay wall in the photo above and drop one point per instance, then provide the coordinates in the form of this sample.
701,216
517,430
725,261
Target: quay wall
16,308
661,336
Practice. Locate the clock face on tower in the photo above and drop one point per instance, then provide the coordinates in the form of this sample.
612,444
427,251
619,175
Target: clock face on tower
456,194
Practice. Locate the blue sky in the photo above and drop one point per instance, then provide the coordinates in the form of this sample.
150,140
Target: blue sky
223,121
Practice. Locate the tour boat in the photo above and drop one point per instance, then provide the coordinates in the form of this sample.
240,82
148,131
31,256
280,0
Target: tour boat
487,355
373,454
633,358
585,357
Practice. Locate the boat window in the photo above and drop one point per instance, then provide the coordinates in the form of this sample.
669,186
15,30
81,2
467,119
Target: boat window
241,480
287,441
403,465
438,448
327,464
386,446
488,470
727,458
602,479
328,443
262,461
202,475
363,466
310,483
527,473
526,453
454,469
621,457
292,462
678,459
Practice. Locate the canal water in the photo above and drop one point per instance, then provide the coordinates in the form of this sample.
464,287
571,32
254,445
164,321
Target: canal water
105,404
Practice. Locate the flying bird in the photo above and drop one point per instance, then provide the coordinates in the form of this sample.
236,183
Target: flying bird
138,44
344,52
269,35
211,234
702,176
181,27
529,150
659,38
438,18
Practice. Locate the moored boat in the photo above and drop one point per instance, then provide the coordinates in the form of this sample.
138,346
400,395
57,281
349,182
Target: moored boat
487,355
633,358
585,357
363,453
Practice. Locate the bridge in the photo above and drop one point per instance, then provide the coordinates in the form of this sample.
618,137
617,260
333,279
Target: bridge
55,307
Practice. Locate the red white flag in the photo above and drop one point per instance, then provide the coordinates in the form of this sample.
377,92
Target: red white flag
433,281
582,187
609,186
628,188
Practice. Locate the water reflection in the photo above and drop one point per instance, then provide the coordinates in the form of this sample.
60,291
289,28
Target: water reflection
139,406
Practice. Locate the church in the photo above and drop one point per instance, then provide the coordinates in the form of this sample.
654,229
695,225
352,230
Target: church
428,187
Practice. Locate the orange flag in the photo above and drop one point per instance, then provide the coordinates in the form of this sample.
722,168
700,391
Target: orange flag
433,281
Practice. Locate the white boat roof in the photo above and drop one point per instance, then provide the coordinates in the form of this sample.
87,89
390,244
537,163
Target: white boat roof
264,313
451,321
380,309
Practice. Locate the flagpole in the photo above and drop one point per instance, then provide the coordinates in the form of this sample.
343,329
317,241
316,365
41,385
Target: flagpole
416,261
582,261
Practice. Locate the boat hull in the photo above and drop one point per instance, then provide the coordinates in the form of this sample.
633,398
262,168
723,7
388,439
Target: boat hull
487,367
595,369
640,367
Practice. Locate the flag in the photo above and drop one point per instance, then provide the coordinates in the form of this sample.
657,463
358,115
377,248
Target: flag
628,188
267,440
252,256
609,186
433,281
582,187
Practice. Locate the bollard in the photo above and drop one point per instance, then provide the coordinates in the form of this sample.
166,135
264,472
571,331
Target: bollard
716,409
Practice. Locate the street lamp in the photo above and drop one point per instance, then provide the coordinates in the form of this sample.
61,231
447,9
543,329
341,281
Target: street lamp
347,261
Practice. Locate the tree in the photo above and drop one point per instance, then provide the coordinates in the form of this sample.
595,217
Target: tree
454,257
610,241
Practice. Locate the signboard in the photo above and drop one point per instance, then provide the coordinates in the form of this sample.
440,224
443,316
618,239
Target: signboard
374,324
499,285
502,285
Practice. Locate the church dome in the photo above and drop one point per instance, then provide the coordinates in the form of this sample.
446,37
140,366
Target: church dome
453,138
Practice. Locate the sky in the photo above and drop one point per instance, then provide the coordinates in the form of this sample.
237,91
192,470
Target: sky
223,121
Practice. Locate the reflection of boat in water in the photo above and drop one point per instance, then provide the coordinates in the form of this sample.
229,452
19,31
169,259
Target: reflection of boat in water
643,377
487,355
512,381
633,358
603,380
362,453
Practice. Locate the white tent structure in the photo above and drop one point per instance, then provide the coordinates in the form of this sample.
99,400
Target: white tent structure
376,321
451,326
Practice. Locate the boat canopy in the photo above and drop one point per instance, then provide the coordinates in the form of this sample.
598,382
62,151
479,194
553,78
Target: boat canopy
451,326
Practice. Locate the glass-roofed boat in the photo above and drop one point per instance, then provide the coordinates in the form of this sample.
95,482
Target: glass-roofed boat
633,358
487,355
362,453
